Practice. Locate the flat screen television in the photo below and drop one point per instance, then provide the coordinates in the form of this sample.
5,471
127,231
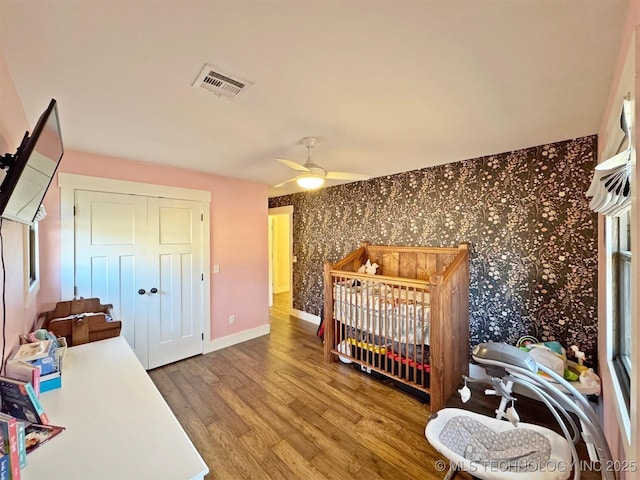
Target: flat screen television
31,169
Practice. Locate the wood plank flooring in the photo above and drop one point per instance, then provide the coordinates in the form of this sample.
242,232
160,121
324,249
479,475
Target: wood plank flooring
270,408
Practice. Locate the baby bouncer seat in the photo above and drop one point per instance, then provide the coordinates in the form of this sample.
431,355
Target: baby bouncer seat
494,448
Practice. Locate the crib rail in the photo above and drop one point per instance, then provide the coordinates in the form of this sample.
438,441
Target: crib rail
382,324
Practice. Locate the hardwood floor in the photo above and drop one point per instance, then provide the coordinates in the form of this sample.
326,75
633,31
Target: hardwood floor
270,408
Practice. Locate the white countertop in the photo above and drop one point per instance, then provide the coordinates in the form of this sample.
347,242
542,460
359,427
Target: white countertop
118,426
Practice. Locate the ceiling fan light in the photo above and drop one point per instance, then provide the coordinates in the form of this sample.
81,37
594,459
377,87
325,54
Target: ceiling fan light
310,181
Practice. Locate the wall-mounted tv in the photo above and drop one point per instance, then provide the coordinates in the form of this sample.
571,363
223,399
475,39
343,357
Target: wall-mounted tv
31,168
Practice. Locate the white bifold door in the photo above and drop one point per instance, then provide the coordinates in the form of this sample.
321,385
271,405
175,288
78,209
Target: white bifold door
144,256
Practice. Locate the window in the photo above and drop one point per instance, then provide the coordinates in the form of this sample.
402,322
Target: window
622,295
33,255
31,263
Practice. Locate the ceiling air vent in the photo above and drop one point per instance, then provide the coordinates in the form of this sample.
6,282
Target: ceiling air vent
213,80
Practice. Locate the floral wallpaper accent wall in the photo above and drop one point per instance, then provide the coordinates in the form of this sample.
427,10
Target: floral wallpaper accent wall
533,263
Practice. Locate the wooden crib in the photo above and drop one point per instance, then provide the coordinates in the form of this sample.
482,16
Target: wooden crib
408,322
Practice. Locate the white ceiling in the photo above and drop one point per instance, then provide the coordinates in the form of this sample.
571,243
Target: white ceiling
386,86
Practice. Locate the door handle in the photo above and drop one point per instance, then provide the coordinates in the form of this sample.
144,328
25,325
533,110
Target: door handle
154,290
142,291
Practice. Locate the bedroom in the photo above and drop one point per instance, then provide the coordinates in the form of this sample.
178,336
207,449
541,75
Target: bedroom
239,207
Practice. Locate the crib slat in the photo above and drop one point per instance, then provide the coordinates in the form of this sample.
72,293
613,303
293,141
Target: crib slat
383,324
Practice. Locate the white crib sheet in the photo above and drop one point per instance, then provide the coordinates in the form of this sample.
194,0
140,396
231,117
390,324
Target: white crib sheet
397,314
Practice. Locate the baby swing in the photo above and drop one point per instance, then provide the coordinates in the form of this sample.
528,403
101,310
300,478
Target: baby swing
492,448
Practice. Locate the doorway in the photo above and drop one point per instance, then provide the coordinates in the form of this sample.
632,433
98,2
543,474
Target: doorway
281,256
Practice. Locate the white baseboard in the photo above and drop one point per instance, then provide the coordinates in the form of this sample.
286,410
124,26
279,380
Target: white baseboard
229,340
307,317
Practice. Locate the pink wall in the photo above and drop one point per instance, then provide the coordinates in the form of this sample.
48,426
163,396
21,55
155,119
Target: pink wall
239,243
13,124
610,419
239,220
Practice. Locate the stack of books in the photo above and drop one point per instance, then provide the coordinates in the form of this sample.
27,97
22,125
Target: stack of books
24,426
39,363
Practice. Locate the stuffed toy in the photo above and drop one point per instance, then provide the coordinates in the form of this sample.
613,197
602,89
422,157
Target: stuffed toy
368,268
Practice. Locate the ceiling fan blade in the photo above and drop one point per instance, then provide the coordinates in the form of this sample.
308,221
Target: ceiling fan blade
285,182
347,176
294,165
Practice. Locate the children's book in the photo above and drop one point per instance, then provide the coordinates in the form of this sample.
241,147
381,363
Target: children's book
24,371
9,431
33,351
20,401
36,435
42,354
22,446
4,467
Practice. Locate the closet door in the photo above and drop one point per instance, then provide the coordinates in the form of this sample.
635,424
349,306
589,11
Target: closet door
175,264
111,250
144,255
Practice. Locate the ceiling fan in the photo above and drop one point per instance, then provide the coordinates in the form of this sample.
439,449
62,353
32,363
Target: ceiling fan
312,175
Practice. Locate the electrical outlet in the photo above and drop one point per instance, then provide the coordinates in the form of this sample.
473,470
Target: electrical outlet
232,319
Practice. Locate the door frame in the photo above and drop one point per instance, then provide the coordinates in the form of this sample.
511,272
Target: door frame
288,211
70,182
